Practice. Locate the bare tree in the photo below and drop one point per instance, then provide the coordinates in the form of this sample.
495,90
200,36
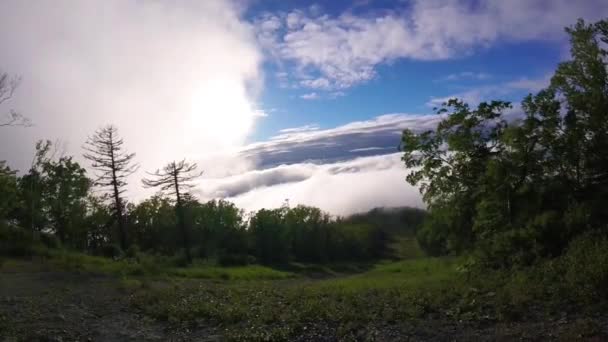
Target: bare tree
114,165
175,179
7,89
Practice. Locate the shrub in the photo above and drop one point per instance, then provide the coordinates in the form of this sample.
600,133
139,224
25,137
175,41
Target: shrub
50,240
585,266
507,249
110,251
132,252
226,259
16,242
179,260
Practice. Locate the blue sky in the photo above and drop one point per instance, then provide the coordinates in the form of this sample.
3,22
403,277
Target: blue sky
403,85
274,99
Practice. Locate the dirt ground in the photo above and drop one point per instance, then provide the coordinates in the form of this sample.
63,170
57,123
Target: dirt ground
42,305
37,304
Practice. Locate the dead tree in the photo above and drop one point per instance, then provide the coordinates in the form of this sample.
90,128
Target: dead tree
106,153
175,179
7,89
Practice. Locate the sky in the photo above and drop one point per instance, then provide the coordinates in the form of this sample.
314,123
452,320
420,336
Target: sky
300,101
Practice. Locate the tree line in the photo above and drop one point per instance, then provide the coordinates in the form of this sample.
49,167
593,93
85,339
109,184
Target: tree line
57,203
512,192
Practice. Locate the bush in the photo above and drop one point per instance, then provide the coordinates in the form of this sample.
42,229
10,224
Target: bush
515,247
132,252
585,266
179,259
226,259
110,251
16,242
49,240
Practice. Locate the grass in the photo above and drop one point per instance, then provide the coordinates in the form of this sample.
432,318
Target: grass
282,309
146,266
410,274
251,272
388,294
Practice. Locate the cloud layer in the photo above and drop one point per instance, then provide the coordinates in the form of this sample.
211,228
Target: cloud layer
340,188
343,170
380,135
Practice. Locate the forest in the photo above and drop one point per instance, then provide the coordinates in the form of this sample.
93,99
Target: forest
513,242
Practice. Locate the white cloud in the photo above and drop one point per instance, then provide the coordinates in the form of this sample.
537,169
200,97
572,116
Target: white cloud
310,96
494,91
179,79
305,128
345,50
464,75
341,188
532,85
319,83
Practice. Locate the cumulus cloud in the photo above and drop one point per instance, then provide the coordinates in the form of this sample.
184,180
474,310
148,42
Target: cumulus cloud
179,79
337,52
340,188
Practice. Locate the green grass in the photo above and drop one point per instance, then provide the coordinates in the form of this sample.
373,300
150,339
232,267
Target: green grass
276,310
148,266
410,274
406,247
251,272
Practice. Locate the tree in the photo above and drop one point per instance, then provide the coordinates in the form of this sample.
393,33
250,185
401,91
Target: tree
8,190
66,187
31,188
176,179
8,85
449,162
154,226
106,152
514,191
271,236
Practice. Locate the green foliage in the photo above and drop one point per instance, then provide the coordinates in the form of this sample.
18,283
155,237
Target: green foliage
15,241
8,191
517,191
585,266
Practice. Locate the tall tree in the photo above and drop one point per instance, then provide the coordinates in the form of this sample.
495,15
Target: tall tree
176,179
106,152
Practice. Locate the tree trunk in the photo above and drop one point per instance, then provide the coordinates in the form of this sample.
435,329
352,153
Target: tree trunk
117,204
180,218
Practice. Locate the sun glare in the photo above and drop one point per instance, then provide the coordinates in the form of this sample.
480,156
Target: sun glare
220,114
